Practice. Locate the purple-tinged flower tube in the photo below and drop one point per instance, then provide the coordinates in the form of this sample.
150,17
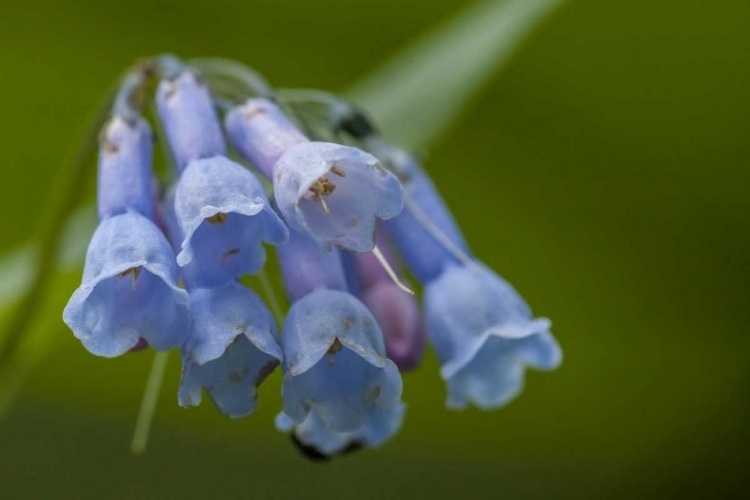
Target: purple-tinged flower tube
483,331
332,193
129,290
396,311
124,181
397,314
225,217
232,348
334,355
189,118
380,425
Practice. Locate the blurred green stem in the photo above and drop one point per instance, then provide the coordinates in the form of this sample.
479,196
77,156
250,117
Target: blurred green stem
273,301
148,404
67,191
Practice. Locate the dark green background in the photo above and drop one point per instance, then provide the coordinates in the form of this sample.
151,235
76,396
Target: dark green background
604,173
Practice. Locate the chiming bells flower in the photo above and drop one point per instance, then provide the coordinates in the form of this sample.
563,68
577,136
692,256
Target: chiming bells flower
225,217
332,193
129,290
380,425
485,336
334,362
334,356
220,206
232,348
482,330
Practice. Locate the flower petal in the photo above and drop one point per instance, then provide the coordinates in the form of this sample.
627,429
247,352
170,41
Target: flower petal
129,290
335,361
231,350
225,217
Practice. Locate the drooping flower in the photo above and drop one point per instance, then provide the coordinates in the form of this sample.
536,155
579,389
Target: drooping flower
231,349
334,355
315,438
220,206
225,217
485,336
482,330
332,193
129,290
335,362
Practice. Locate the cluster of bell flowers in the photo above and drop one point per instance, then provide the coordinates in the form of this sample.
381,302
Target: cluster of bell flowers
163,268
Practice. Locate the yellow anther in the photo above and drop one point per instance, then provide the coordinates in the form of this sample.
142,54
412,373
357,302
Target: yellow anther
219,218
134,272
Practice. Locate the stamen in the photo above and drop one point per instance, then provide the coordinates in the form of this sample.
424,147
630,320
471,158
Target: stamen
323,202
134,272
219,218
333,349
439,235
320,188
388,269
337,170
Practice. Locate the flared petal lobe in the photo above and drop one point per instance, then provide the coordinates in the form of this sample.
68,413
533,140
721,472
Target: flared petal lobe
232,348
335,193
189,119
225,217
485,336
379,426
335,363
495,375
129,290
125,156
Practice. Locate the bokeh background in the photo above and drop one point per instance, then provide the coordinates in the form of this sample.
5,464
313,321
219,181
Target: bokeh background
605,172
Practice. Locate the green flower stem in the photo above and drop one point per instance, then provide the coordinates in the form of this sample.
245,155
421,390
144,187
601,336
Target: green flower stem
148,404
66,194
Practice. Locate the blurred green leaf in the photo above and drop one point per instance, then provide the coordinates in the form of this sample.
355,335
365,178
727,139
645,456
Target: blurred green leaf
38,337
415,96
17,271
